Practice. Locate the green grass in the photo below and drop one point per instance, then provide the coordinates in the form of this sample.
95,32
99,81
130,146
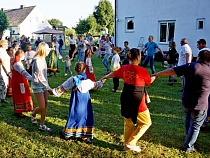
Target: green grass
19,138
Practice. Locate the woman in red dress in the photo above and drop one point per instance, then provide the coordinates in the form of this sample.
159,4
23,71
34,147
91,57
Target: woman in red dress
21,93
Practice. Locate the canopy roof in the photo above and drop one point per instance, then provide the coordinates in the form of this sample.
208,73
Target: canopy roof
48,31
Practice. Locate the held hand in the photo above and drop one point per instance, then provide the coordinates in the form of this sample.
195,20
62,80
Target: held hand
103,80
50,91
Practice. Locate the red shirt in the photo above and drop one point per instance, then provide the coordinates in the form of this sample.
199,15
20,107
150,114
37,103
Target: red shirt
137,76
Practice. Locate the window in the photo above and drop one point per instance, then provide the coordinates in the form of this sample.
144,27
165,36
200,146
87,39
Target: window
166,31
129,22
200,24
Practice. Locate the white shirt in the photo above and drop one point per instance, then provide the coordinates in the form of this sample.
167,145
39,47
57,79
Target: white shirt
29,55
185,49
6,59
115,62
108,48
85,86
71,41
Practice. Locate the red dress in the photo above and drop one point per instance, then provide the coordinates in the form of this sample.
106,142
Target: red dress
88,69
9,91
21,93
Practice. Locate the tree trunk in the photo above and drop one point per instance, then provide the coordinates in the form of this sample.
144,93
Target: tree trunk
1,34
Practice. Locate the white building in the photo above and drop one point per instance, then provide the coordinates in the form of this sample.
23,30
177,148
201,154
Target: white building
164,19
24,21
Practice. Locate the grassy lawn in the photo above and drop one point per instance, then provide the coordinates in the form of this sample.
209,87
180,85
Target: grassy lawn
19,138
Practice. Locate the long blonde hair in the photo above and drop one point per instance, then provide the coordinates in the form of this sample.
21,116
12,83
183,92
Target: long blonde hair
43,49
2,42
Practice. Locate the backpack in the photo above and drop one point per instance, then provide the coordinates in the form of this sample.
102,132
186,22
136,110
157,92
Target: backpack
61,42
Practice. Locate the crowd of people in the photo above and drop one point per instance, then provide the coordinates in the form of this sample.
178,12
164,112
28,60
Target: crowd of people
23,64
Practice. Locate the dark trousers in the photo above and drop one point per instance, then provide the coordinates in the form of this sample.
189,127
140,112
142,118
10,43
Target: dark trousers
116,83
71,50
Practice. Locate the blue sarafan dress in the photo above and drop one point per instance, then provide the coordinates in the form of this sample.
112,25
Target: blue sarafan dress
80,122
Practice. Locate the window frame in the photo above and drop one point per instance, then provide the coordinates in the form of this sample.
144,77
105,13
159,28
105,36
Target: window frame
167,22
197,23
127,19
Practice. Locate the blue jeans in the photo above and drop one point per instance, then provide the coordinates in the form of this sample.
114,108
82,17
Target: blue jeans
60,50
193,121
81,55
149,59
105,61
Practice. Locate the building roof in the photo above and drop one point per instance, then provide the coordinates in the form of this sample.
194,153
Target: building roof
17,16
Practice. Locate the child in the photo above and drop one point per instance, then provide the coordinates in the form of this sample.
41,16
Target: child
29,55
22,99
67,64
40,85
88,65
80,121
115,64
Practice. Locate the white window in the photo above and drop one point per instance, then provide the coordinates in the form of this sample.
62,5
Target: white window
166,31
129,24
200,24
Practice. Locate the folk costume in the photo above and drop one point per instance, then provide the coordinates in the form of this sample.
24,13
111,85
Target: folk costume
22,99
89,70
52,61
80,122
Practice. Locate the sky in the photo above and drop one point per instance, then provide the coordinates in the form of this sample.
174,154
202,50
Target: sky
67,11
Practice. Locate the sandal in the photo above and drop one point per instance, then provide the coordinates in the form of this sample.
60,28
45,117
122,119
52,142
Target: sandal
4,101
44,128
33,119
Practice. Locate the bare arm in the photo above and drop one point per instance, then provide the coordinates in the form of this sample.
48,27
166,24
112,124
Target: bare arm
167,72
110,75
74,52
161,51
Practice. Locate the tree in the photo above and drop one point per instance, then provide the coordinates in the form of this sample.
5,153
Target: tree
68,32
3,23
55,22
91,20
104,15
82,27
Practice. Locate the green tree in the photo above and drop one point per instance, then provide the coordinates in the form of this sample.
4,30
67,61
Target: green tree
55,22
3,23
68,32
91,20
82,27
104,15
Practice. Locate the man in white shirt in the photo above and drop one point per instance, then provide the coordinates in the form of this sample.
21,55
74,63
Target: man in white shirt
72,45
185,55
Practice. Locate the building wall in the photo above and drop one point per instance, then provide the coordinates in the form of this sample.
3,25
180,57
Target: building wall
34,21
148,13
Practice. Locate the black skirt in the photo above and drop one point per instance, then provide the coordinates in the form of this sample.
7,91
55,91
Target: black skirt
130,99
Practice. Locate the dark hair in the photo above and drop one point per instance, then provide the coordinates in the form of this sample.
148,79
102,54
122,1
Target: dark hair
9,48
87,51
201,41
117,49
79,67
133,54
126,42
204,56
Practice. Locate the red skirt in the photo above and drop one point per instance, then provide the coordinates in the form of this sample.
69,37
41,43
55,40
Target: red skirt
22,99
90,76
9,90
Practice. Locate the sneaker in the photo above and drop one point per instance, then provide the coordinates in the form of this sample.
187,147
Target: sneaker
44,128
65,74
114,90
134,148
33,119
